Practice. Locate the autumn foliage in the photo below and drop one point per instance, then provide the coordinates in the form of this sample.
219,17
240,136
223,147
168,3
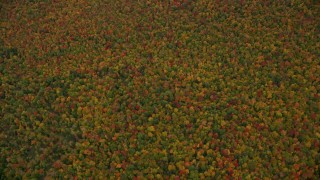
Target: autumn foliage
159,89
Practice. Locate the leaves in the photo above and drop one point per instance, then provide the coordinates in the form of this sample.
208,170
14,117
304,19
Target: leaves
176,89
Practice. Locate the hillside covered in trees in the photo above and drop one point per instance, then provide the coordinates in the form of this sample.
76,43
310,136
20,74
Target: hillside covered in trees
159,89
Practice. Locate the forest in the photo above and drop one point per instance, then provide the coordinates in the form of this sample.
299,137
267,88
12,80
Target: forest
159,89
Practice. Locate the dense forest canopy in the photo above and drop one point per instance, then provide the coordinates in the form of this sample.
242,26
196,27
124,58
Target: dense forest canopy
151,89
